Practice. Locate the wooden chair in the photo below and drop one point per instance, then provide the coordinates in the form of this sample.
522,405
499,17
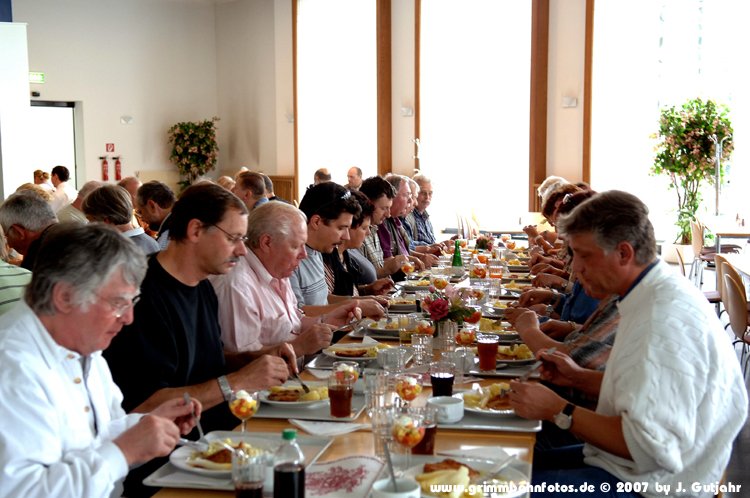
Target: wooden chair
713,296
720,262
738,320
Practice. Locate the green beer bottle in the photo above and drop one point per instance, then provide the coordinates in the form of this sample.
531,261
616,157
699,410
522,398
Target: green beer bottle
457,260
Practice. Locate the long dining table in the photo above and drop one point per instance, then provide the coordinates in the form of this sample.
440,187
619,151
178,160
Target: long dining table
519,444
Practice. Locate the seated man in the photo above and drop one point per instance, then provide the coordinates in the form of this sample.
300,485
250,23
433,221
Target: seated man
329,208
64,432
250,187
174,344
26,218
672,398
153,203
74,211
257,307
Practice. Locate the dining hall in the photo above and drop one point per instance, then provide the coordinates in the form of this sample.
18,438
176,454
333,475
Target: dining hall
380,248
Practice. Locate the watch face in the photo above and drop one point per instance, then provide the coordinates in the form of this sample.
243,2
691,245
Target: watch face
563,421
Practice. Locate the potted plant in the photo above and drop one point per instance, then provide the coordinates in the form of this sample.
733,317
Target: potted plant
194,148
685,151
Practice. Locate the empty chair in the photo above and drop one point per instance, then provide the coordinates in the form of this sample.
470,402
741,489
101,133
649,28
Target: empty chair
737,310
713,296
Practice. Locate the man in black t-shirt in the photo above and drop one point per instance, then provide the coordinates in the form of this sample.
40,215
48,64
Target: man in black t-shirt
174,343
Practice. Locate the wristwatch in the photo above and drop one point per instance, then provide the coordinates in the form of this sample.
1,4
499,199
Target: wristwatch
549,309
226,390
564,419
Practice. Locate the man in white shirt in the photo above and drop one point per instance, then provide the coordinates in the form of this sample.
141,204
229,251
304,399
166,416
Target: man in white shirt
74,211
64,432
672,398
64,193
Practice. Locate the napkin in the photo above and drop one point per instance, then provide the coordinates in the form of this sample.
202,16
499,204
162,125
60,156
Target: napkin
481,452
327,429
349,477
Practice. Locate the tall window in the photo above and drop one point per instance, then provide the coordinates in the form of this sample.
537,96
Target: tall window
474,109
651,54
336,88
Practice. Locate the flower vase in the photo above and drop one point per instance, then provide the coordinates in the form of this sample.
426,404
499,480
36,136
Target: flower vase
445,335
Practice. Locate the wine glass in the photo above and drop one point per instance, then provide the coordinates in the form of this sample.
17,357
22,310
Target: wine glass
408,267
407,430
243,405
408,386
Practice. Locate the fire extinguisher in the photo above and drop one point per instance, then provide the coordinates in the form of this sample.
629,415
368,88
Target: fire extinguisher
105,168
118,169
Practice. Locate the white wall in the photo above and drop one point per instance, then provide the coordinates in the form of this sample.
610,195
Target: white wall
14,107
175,60
152,60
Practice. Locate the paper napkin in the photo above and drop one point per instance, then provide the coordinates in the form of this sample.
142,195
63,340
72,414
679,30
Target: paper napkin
327,429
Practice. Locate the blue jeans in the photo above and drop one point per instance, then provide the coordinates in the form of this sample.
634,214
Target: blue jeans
593,477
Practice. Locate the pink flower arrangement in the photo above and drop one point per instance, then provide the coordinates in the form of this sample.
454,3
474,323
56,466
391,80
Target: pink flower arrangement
447,305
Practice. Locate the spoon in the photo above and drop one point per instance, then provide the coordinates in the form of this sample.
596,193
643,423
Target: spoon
390,467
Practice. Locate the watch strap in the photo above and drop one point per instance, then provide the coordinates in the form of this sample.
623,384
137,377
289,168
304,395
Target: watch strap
226,389
568,410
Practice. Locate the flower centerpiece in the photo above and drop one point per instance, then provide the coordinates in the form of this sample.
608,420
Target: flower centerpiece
485,242
449,305
686,152
194,148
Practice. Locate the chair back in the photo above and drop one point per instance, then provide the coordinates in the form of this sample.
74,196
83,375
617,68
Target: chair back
732,272
720,262
696,238
680,261
736,307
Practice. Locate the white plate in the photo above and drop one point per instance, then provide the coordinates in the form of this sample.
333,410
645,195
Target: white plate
263,396
332,352
487,411
180,457
508,473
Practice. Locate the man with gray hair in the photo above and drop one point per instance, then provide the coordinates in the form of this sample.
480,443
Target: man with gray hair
672,398
64,432
257,306
73,211
25,218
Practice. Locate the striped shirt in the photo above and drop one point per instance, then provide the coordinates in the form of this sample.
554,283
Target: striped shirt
13,282
422,232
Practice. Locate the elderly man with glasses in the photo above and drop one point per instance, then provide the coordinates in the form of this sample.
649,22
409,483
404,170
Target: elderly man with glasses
64,432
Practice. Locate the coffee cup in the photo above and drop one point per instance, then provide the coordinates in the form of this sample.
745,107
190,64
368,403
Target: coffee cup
407,488
449,409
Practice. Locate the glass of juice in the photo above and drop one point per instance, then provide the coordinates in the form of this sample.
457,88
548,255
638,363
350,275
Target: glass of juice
487,351
340,391
427,445
248,474
442,374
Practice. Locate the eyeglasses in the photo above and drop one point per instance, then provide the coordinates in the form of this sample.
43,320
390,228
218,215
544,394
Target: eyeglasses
234,239
120,305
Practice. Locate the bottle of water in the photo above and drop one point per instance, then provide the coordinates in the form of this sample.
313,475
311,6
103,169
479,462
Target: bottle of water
289,468
457,260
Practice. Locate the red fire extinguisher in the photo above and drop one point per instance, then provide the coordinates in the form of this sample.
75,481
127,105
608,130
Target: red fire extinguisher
105,168
118,169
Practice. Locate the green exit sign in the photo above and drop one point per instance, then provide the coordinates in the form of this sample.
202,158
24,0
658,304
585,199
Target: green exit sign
36,77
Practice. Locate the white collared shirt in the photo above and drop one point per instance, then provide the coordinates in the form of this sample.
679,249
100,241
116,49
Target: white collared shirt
48,442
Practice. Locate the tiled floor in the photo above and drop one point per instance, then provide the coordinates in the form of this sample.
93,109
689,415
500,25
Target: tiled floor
737,471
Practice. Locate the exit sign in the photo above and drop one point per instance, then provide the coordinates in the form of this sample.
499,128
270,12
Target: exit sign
36,77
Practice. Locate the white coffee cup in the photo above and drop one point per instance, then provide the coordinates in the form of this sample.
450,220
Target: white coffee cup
449,409
407,488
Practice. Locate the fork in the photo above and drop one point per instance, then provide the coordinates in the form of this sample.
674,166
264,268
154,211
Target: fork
535,366
304,386
197,421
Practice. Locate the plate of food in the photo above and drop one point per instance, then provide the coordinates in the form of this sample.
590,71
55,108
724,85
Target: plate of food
489,400
403,303
519,268
515,354
354,351
415,285
295,396
520,277
516,286
462,472
216,460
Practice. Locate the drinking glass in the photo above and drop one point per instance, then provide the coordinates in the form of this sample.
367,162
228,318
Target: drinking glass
427,445
376,390
442,374
340,391
462,360
346,369
487,351
407,267
248,474
392,360
243,405
439,280
421,344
